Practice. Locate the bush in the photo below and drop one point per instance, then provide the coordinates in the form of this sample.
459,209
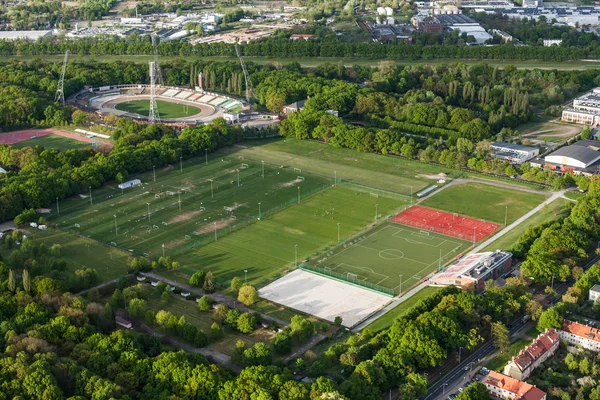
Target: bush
246,323
26,217
197,279
236,284
248,295
204,304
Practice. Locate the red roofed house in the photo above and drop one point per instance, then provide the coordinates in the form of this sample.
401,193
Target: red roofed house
505,387
305,36
580,335
545,345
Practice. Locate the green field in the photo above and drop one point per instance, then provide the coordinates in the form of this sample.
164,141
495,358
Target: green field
121,218
53,142
388,318
266,248
77,252
166,109
381,255
484,201
549,212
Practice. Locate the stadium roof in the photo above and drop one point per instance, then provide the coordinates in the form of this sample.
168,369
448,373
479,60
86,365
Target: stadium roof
29,35
584,151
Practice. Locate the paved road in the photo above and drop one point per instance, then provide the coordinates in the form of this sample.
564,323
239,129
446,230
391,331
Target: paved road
219,297
315,340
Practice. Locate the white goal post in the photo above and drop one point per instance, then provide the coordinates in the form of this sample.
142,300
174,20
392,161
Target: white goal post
424,233
300,178
297,170
244,166
351,276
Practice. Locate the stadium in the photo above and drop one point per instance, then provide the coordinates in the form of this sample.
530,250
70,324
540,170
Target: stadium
178,106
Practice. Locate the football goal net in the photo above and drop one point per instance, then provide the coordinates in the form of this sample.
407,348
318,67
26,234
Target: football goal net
424,233
374,194
297,170
300,178
351,277
244,166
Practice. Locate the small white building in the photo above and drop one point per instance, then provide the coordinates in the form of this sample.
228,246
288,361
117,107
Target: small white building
33,224
154,283
552,42
514,153
128,184
185,294
141,278
42,227
594,293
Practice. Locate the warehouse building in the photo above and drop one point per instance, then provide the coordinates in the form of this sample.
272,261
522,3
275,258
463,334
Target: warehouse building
471,271
27,35
582,157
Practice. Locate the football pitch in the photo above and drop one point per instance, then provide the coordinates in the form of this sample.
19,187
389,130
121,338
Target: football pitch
166,109
378,258
185,204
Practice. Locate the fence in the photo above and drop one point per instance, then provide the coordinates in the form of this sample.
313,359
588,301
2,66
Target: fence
343,278
378,192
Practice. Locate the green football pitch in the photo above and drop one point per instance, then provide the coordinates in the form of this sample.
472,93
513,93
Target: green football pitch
183,207
53,142
390,250
166,109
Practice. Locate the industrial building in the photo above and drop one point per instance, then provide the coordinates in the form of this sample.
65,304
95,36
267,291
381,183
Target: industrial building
471,271
514,153
504,387
582,157
584,15
585,109
529,358
464,24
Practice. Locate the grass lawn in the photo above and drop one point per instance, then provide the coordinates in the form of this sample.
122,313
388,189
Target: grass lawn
53,142
497,363
378,257
551,211
203,320
76,251
388,318
484,201
121,217
573,195
266,248
166,109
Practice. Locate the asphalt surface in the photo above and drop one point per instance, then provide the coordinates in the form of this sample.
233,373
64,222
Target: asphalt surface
438,389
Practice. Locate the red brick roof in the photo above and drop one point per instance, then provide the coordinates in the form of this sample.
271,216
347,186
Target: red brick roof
581,330
542,344
521,390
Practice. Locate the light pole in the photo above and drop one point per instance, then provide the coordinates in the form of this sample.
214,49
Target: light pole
376,211
211,189
444,388
245,277
116,227
205,156
411,191
57,207
552,283
459,351
259,215
163,246
296,255
400,294
262,163
238,171
505,215
474,229
154,172
181,164
215,223
440,261
91,200
338,224
148,212
334,178
298,194
179,192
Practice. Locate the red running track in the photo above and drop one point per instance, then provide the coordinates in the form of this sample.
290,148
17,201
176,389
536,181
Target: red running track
446,223
21,136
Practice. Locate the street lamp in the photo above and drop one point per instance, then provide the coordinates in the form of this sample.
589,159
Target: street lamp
206,156
444,388
259,215
163,247
245,276
148,212
215,223
116,227
505,215
263,168
376,211
181,164
411,192
474,229
335,178
298,194
91,200
57,207
296,255
238,171
211,189
400,294
338,224
154,172
179,192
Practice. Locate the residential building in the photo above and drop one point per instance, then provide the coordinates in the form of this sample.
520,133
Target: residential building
544,346
578,334
505,387
292,108
471,271
514,153
594,293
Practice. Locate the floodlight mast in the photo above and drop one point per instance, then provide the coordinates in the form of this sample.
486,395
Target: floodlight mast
60,90
249,88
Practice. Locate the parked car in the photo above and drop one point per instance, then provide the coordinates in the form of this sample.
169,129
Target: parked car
467,384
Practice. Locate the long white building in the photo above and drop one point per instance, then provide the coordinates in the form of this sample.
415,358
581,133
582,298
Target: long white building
585,109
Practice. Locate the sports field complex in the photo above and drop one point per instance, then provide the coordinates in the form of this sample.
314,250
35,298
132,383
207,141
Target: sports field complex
327,247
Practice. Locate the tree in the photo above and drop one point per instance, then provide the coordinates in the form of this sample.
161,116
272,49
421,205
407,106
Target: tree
197,279
137,308
248,295
236,284
165,297
209,283
26,281
215,331
534,309
12,283
221,311
551,318
260,354
246,323
282,342
140,264
500,336
337,321
476,391
204,304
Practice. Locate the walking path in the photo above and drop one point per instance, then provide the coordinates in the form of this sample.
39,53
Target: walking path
100,286
510,186
314,340
413,291
219,297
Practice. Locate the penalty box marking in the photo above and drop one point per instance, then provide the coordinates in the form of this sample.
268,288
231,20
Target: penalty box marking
369,270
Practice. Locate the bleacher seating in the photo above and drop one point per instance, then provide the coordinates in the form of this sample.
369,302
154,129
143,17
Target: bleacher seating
218,101
206,98
184,95
171,93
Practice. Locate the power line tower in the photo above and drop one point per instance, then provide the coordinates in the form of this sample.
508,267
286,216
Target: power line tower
249,89
60,90
153,116
158,73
